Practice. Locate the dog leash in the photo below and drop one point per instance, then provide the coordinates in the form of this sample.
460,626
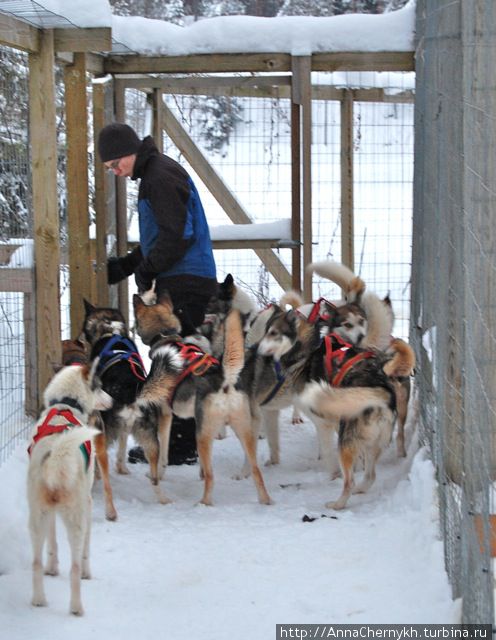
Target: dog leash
280,379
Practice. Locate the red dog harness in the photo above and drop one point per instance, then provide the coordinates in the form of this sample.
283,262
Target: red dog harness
315,314
195,362
334,356
48,429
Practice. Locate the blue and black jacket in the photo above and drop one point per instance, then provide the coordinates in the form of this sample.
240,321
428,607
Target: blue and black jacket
174,236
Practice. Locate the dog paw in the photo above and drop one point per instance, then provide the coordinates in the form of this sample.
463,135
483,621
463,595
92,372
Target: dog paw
271,462
39,601
52,570
206,502
268,500
111,514
337,505
77,610
122,469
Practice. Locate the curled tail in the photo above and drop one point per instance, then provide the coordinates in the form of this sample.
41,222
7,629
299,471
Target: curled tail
352,285
331,403
233,358
291,298
403,361
380,322
60,464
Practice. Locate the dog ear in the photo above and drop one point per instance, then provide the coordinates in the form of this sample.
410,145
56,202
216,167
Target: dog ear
88,307
137,302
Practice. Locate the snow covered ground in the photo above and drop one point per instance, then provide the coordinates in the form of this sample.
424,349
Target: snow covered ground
236,569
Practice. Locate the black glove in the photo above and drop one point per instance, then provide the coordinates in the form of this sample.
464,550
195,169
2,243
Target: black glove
120,268
144,279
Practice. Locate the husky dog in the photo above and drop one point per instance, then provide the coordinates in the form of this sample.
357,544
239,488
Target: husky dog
339,384
189,383
60,476
122,374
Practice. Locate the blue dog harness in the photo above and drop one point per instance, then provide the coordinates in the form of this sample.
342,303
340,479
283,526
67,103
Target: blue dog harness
111,355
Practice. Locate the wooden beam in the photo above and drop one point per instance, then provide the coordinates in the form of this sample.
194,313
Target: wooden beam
220,191
81,271
94,61
296,190
347,221
20,280
103,109
158,133
201,63
82,40
250,87
121,208
302,96
364,61
46,233
260,62
18,34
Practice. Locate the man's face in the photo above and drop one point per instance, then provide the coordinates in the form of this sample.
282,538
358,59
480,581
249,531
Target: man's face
122,166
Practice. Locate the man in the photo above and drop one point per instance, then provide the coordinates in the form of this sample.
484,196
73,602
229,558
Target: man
175,248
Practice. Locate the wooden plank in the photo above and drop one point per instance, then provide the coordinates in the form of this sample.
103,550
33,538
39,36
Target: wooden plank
220,191
364,61
158,133
347,222
80,267
103,109
94,62
121,210
82,40
200,63
302,96
262,62
30,354
13,280
268,88
43,139
254,244
18,34
296,193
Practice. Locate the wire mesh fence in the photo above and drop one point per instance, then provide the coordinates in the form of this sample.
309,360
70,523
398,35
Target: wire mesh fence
453,311
252,155
16,313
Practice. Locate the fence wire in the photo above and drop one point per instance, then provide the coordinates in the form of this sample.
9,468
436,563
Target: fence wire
15,249
454,262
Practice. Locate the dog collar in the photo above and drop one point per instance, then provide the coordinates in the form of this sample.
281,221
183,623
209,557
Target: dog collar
71,402
163,338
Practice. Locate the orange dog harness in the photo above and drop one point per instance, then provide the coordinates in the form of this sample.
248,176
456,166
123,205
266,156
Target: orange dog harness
335,351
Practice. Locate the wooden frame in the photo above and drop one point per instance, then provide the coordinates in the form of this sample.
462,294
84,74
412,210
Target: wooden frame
77,48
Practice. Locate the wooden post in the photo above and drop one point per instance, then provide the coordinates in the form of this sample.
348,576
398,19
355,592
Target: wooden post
347,230
43,139
295,194
121,207
157,129
302,94
103,109
81,272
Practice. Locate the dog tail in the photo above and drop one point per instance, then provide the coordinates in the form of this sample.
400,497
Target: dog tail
167,366
291,298
59,466
333,403
380,322
353,286
403,361
233,358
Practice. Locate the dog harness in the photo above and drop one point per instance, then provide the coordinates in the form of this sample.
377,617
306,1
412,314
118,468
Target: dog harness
335,352
195,361
46,428
112,353
316,315
280,379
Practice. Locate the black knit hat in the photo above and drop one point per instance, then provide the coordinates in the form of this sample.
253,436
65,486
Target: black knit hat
117,140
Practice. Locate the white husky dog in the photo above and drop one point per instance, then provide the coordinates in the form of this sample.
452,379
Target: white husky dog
60,476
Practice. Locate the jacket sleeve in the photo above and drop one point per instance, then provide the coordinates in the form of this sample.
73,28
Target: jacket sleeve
168,199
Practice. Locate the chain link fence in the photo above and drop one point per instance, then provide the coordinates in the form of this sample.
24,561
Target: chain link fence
453,322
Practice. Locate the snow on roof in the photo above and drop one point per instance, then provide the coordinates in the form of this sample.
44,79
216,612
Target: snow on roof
298,35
